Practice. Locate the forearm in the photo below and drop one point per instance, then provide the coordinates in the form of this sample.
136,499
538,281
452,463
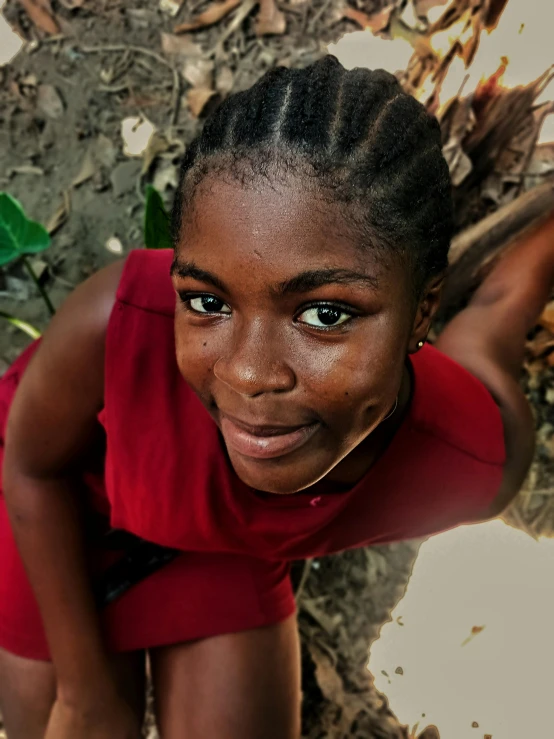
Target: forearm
47,528
522,281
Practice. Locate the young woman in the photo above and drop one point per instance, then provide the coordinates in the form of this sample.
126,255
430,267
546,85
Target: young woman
273,399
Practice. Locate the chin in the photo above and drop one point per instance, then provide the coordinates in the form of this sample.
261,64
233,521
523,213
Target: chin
276,475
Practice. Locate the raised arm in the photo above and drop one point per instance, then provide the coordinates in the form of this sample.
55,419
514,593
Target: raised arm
488,338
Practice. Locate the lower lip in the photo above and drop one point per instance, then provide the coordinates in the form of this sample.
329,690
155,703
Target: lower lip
265,447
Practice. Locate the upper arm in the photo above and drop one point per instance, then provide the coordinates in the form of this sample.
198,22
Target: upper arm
470,339
53,417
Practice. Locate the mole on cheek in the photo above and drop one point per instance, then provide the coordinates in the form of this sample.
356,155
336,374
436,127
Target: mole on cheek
346,393
205,343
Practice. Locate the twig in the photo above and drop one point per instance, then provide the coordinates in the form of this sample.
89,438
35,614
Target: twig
153,55
40,288
21,325
303,579
237,21
317,15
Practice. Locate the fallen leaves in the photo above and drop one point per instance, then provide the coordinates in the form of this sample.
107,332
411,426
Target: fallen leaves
270,20
101,153
214,13
50,102
547,317
375,22
60,215
184,46
136,132
170,7
72,4
199,72
41,14
198,98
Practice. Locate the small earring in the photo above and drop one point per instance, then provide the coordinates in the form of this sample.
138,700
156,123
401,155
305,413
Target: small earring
420,344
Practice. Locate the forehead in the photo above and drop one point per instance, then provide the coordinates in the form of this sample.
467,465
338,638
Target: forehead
282,227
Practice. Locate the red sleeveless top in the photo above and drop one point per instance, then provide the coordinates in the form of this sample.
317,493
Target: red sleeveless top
169,480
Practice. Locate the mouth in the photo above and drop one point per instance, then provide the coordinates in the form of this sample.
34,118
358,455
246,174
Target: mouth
265,441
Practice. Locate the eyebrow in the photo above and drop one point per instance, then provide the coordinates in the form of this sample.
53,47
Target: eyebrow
189,269
301,283
311,280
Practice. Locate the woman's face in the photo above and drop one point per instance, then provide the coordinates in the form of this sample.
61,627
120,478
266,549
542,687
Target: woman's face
293,338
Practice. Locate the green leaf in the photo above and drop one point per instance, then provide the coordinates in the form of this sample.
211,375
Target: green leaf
37,238
8,250
18,234
157,234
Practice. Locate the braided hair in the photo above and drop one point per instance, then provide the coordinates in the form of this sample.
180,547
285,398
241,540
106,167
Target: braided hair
354,137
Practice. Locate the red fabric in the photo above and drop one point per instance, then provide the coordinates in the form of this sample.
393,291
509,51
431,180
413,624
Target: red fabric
168,479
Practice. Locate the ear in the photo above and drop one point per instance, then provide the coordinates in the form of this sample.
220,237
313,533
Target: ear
428,306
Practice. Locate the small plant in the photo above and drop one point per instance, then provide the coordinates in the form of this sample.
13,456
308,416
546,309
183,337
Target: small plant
21,237
157,232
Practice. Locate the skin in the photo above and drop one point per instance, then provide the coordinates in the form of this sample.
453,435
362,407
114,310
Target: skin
261,363
254,348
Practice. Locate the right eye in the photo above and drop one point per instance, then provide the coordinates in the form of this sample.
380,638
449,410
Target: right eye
206,304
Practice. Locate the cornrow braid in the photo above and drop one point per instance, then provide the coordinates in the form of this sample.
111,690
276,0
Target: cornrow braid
357,137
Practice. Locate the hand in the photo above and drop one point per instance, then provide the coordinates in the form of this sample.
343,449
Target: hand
103,719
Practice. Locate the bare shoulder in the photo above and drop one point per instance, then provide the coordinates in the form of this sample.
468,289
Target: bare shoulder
54,413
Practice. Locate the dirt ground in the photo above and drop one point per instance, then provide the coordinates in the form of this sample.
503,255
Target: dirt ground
103,72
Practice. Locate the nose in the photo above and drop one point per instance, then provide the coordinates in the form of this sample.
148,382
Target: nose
255,364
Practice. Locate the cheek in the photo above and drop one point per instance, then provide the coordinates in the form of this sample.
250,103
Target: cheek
196,354
362,371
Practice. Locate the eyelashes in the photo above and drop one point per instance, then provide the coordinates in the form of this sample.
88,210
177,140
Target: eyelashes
323,316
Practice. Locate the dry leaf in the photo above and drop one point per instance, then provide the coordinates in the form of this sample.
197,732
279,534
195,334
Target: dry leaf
224,81
540,343
166,175
171,7
60,215
72,4
547,317
87,171
100,153
157,144
42,15
215,13
197,99
270,20
199,72
459,164
179,45
26,169
49,101
422,7
375,22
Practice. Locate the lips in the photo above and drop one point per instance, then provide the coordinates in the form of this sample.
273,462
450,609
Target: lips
265,441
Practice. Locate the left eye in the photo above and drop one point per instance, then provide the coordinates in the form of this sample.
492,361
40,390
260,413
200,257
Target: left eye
324,316
208,304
